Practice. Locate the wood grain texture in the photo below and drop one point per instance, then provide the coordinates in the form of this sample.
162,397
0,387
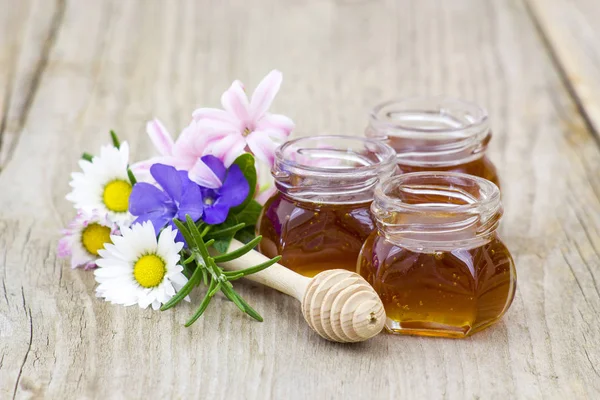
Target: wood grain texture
337,304
96,65
570,30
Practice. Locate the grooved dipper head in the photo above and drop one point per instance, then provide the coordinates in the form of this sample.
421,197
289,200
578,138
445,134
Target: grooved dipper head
342,307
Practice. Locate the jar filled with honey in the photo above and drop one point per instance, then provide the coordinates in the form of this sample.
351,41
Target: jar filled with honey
435,134
435,258
319,218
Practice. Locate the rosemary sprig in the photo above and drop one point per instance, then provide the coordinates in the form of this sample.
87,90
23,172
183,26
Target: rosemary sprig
203,267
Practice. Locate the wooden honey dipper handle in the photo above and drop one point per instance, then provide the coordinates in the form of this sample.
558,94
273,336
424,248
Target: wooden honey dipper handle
338,304
276,276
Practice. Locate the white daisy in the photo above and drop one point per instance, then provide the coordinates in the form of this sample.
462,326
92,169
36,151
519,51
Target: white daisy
139,269
104,185
84,237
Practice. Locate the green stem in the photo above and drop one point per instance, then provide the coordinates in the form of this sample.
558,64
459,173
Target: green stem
87,157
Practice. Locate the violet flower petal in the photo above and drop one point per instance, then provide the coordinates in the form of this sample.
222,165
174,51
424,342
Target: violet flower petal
216,213
216,166
185,181
235,189
168,178
146,198
204,176
191,203
158,220
179,237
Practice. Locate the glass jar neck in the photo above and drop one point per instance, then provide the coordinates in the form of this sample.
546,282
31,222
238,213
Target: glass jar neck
431,131
437,211
332,169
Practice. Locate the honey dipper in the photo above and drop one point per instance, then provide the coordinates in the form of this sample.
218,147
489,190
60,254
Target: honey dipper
338,304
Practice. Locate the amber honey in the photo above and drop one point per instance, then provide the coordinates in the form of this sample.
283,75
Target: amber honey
435,134
481,167
445,293
435,258
319,218
314,237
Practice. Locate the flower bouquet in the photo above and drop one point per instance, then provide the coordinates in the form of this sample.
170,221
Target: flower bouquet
155,229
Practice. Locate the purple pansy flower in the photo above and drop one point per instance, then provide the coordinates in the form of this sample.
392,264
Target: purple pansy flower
221,188
179,196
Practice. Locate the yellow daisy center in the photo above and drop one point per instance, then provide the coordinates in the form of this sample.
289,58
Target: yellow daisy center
94,236
116,195
149,270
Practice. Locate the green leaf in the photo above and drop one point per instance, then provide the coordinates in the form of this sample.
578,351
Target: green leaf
251,311
197,237
245,235
202,306
246,164
185,232
87,157
233,296
206,229
234,275
184,291
242,305
249,215
222,244
225,231
131,176
232,255
204,276
115,139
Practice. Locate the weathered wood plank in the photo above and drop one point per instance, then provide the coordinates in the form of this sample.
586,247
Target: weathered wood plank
115,64
570,29
27,33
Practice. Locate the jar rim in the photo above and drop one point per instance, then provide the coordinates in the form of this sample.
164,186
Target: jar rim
438,210
332,168
478,123
387,156
490,193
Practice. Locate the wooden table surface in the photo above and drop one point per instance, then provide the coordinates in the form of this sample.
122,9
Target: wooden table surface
72,70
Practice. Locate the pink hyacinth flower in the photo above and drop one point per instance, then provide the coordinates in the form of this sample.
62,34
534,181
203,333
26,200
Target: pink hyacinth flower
247,121
195,141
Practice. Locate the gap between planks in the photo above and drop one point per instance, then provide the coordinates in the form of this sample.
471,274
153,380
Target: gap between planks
570,64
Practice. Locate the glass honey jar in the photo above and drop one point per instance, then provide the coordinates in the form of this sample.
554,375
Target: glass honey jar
435,134
319,218
435,258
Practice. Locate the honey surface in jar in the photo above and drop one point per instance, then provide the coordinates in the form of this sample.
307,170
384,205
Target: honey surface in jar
446,293
314,237
435,134
481,166
319,217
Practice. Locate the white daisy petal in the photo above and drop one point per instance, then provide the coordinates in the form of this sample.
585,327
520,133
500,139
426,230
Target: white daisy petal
76,237
179,279
131,271
89,186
